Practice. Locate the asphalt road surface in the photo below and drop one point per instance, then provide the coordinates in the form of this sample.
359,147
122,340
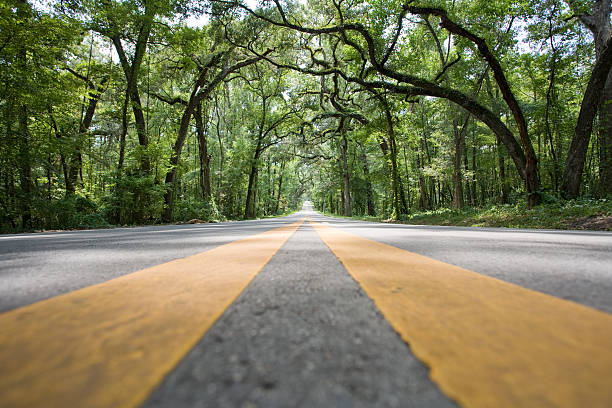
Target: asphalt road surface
315,327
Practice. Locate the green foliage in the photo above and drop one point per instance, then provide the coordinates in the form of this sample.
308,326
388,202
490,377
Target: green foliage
72,212
136,199
560,214
197,209
282,121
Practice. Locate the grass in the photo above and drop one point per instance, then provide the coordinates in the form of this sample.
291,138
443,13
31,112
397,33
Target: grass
579,214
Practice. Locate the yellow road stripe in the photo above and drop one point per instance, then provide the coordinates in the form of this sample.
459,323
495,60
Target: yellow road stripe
489,343
110,344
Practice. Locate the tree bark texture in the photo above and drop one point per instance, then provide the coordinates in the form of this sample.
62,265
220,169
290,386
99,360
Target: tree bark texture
605,141
280,186
399,198
369,192
459,143
576,156
250,208
502,173
203,153
348,209
131,75
25,169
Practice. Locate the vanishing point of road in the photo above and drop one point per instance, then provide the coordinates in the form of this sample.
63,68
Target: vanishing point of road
306,311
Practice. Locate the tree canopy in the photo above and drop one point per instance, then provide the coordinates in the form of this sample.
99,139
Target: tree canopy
146,111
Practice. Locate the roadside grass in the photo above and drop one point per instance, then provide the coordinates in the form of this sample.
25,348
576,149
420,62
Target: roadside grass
74,220
581,214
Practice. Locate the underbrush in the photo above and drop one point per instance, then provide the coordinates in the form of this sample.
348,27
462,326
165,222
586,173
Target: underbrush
580,214
573,214
72,212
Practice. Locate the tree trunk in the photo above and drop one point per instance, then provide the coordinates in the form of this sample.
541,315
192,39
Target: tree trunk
131,71
177,148
408,195
250,210
474,178
605,140
595,100
74,163
550,100
131,74
203,153
466,167
348,210
25,167
201,89
499,144
459,142
122,137
221,155
63,162
502,173
423,201
23,142
280,186
399,198
369,192
576,157
270,197
599,23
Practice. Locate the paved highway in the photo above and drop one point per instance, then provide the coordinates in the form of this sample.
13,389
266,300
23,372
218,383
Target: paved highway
305,311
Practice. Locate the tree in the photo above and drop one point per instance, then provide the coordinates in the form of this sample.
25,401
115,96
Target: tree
375,59
217,67
119,112
32,48
597,100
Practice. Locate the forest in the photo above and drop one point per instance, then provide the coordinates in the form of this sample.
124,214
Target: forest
133,112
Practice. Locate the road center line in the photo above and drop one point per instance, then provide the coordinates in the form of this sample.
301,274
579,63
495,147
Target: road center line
488,343
110,344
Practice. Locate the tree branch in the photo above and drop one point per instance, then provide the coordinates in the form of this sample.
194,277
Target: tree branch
169,100
498,72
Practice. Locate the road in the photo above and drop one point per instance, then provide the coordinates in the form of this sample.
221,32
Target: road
304,311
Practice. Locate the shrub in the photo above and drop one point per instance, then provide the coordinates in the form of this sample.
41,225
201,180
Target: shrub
188,209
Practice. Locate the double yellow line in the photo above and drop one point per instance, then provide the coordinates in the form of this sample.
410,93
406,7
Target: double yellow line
488,343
